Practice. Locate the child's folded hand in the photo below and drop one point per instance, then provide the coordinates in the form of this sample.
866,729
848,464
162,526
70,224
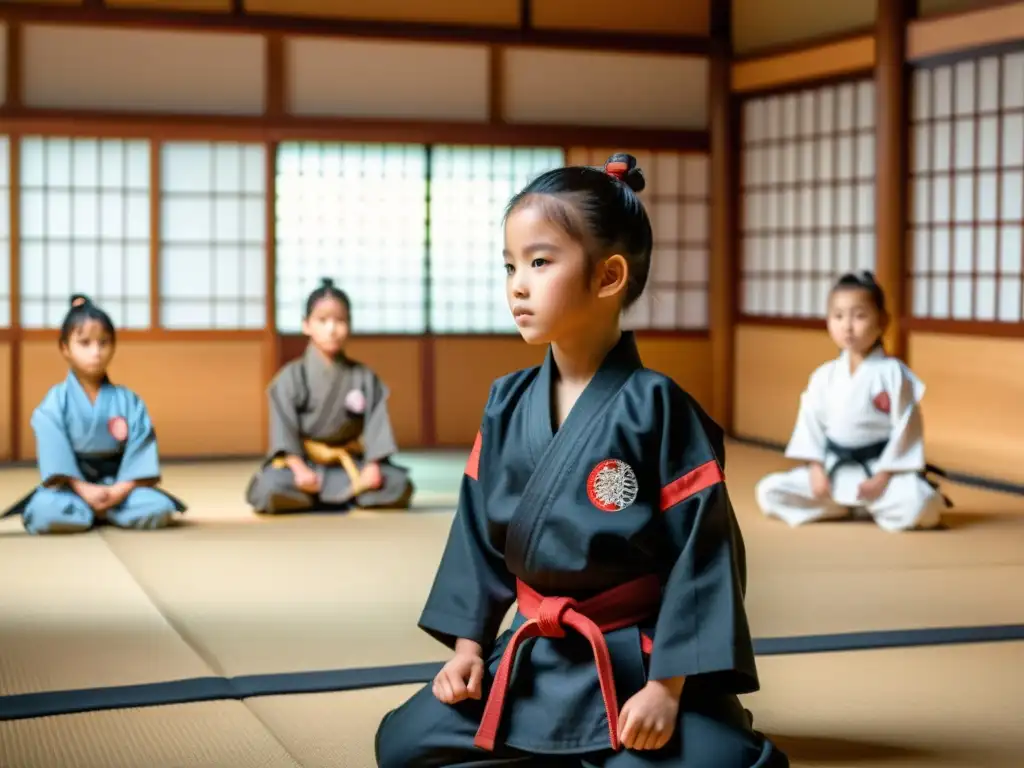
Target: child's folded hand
459,679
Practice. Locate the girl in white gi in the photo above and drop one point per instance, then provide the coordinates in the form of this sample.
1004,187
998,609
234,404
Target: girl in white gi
96,446
859,428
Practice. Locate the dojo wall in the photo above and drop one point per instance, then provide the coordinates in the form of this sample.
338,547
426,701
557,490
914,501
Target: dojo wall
974,369
123,73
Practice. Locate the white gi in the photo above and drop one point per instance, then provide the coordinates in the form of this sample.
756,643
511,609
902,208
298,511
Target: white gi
878,403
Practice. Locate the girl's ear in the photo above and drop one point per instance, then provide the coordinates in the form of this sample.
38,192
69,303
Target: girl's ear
614,276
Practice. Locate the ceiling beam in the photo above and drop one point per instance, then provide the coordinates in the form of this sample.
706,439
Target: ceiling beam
86,15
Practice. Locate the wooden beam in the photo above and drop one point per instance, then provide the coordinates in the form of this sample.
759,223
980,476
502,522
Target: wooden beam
271,341
275,107
96,124
155,198
525,15
682,45
275,99
496,87
14,216
891,163
13,101
723,269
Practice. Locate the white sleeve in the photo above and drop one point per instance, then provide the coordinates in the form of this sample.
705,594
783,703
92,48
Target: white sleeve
807,443
905,450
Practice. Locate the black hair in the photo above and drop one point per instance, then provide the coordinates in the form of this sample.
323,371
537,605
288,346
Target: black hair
599,208
327,290
863,281
81,312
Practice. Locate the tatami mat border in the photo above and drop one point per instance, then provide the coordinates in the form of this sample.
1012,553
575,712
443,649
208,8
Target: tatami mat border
985,483
50,703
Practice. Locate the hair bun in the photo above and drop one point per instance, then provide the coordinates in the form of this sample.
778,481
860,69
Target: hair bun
868,277
624,168
326,282
79,300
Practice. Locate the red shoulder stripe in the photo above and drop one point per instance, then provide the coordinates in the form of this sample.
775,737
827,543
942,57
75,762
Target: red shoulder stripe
691,483
473,463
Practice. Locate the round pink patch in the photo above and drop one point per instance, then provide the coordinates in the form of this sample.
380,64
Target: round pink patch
355,401
118,428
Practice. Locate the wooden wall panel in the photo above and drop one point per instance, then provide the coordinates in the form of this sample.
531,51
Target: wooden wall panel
819,62
464,369
686,360
478,12
772,367
396,80
6,375
683,17
972,408
205,397
132,69
759,25
597,88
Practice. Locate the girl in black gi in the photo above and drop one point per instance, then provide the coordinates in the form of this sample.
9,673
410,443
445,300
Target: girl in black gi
594,498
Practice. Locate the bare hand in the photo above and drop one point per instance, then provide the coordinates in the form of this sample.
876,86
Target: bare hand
306,479
820,485
648,719
873,487
98,497
371,477
461,678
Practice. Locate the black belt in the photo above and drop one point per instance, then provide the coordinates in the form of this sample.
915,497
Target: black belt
861,455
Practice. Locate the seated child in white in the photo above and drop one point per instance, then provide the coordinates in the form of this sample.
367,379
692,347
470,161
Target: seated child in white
859,429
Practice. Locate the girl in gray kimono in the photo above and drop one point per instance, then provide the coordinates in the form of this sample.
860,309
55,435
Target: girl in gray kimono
330,433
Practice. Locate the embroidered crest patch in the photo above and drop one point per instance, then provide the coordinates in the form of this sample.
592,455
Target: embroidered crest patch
612,485
881,402
118,428
355,401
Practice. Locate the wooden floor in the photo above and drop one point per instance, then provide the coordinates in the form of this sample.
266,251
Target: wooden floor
257,606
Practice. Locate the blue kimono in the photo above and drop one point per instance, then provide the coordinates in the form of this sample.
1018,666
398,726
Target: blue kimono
106,442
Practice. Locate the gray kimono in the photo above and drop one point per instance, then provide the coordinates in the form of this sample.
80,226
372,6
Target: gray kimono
341,405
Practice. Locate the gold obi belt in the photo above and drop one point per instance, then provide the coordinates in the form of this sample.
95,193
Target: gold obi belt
330,455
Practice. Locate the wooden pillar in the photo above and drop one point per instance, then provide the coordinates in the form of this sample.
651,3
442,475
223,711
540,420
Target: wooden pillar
13,105
723,199
891,163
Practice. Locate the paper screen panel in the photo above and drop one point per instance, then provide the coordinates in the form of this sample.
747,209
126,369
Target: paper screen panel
84,228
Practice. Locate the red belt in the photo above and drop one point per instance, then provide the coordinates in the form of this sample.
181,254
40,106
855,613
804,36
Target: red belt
623,606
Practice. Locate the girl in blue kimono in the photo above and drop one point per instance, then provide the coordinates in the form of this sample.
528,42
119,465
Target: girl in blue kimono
595,500
95,443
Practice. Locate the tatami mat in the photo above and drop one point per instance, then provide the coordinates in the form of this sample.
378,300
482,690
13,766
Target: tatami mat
943,707
207,735
231,593
309,593
321,593
71,616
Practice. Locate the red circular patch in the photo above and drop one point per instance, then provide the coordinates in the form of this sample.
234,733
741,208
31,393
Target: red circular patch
612,485
118,428
882,403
